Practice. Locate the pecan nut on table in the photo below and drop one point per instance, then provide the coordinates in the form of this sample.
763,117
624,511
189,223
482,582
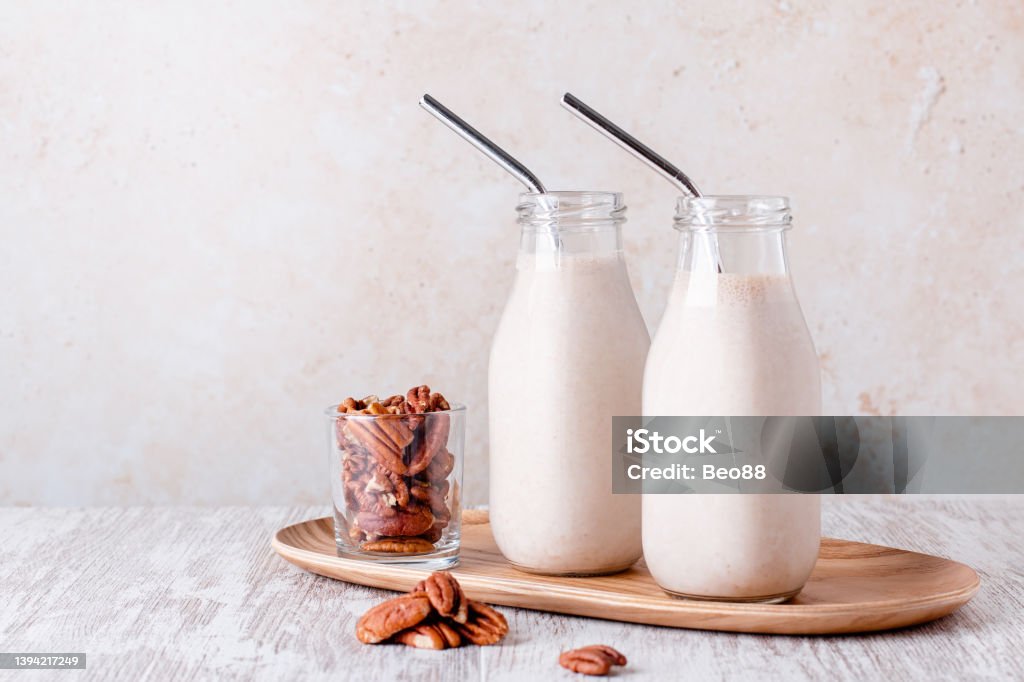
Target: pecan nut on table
395,471
596,659
437,614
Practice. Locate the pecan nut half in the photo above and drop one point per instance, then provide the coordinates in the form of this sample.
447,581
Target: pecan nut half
418,398
411,522
353,406
596,659
483,626
434,635
445,595
370,487
368,434
439,468
396,430
430,443
422,400
435,532
433,496
388,484
398,545
450,634
394,615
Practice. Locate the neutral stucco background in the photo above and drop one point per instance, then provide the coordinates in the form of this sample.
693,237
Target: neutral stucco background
217,218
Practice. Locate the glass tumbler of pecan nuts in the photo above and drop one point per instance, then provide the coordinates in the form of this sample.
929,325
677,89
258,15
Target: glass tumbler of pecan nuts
396,475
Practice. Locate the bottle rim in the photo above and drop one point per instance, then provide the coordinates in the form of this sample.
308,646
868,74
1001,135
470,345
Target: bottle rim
570,210
733,213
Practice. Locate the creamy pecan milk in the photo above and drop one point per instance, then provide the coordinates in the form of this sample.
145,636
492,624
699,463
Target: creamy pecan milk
732,344
567,356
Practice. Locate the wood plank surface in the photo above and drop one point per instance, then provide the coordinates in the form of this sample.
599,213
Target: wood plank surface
198,594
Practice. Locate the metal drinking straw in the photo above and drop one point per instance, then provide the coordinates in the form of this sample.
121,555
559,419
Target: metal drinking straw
656,161
659,163
491,150
481,142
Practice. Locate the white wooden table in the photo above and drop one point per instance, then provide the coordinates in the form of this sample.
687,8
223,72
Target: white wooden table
197,594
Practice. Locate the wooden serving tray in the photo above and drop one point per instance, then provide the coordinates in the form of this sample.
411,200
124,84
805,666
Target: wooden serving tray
855,587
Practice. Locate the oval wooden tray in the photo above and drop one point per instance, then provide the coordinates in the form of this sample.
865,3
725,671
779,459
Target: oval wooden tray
855,587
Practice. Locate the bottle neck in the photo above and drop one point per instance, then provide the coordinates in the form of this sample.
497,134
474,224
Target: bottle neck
565,224
598,241
746,253
733,234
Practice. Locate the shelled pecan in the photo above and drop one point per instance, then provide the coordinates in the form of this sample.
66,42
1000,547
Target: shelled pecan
596,659
436,636
439,467
399,545
430,441
422,400
393,616
371,487
433,495
371,436
435,532
446,595
483,625
395,469
450,618
408,522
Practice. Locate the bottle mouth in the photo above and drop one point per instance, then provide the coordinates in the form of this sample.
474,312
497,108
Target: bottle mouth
570,210
739,212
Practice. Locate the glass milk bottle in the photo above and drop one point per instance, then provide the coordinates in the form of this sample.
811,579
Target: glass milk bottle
568,355
732,341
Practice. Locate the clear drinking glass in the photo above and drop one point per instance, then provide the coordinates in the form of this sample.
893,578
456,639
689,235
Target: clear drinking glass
396,483
733,341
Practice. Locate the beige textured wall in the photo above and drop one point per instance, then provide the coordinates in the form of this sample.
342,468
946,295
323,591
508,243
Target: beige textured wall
218,218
